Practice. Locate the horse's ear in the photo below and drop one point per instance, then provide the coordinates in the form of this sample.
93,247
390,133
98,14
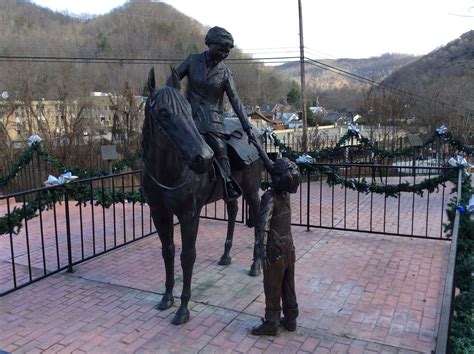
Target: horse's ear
151,80
173,80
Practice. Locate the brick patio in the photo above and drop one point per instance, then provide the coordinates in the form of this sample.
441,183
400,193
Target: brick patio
358,293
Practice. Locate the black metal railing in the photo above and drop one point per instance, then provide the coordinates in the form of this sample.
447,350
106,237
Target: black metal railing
320,205
69,232
403,214
436,153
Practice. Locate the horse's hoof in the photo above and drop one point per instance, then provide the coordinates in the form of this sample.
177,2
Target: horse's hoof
181,316
165,303
225,260
255,270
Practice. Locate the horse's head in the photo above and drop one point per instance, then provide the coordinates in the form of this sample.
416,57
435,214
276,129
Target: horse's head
170,113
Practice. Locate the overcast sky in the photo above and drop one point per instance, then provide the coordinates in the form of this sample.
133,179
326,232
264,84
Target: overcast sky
332,28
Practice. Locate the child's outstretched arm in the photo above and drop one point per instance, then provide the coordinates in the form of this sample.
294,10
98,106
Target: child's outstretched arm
261,152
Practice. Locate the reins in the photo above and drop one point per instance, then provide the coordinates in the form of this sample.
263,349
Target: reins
147,170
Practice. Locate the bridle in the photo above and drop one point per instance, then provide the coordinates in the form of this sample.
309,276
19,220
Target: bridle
146,168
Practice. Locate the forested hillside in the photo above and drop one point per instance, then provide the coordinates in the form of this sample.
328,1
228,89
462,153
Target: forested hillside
138,30
445,75
434,89
334,89
146,34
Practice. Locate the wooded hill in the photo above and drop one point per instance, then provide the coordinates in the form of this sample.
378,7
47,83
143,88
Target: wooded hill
437,88
446,74
334,89
423,91
137,30
155,30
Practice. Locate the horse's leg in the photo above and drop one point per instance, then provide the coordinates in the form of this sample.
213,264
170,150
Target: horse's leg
189,229
232,209
253,201
163,221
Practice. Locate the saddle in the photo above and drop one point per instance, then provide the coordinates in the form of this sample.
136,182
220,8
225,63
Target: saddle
240,152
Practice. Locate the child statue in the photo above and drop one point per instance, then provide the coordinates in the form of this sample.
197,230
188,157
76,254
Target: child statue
275,247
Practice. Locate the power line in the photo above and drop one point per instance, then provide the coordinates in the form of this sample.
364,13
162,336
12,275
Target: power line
317,52
265,60
91,60
125,60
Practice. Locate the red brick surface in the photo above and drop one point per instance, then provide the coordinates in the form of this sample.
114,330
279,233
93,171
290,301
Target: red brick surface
357,293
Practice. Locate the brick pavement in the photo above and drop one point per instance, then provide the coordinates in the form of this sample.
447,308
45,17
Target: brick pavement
358,293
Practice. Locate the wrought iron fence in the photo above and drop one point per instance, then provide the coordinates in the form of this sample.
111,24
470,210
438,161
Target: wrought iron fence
339,207
69,232
318,204
436,153
31,176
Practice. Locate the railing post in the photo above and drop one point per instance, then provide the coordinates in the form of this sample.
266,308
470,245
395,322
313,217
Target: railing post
68,232
447,306
308,201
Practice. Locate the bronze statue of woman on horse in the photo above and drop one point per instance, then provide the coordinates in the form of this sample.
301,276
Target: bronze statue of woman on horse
182,141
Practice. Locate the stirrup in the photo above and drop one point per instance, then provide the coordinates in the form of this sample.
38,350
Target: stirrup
234,186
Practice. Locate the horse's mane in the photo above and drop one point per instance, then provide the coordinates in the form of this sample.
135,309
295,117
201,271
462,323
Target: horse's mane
170,97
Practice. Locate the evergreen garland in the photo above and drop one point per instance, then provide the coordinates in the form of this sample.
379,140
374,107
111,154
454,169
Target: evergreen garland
328,153
127,161
457,144
36,148
333,179
23,160
45,200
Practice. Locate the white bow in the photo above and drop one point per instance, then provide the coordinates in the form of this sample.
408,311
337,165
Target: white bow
442,130
458,161
304,159
34,139
64,178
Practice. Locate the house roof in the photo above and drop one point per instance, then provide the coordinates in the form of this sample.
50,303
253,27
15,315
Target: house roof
288,115
268,107
259,115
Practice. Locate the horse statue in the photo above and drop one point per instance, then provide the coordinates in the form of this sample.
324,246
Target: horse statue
179,179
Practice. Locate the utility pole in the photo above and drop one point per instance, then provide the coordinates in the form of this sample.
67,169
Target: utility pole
302,75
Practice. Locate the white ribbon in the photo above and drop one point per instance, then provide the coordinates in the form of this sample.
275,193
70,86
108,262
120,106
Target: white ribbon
470,206
267,132
304,159
354,129
34,139
458,161
64,178
442,130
